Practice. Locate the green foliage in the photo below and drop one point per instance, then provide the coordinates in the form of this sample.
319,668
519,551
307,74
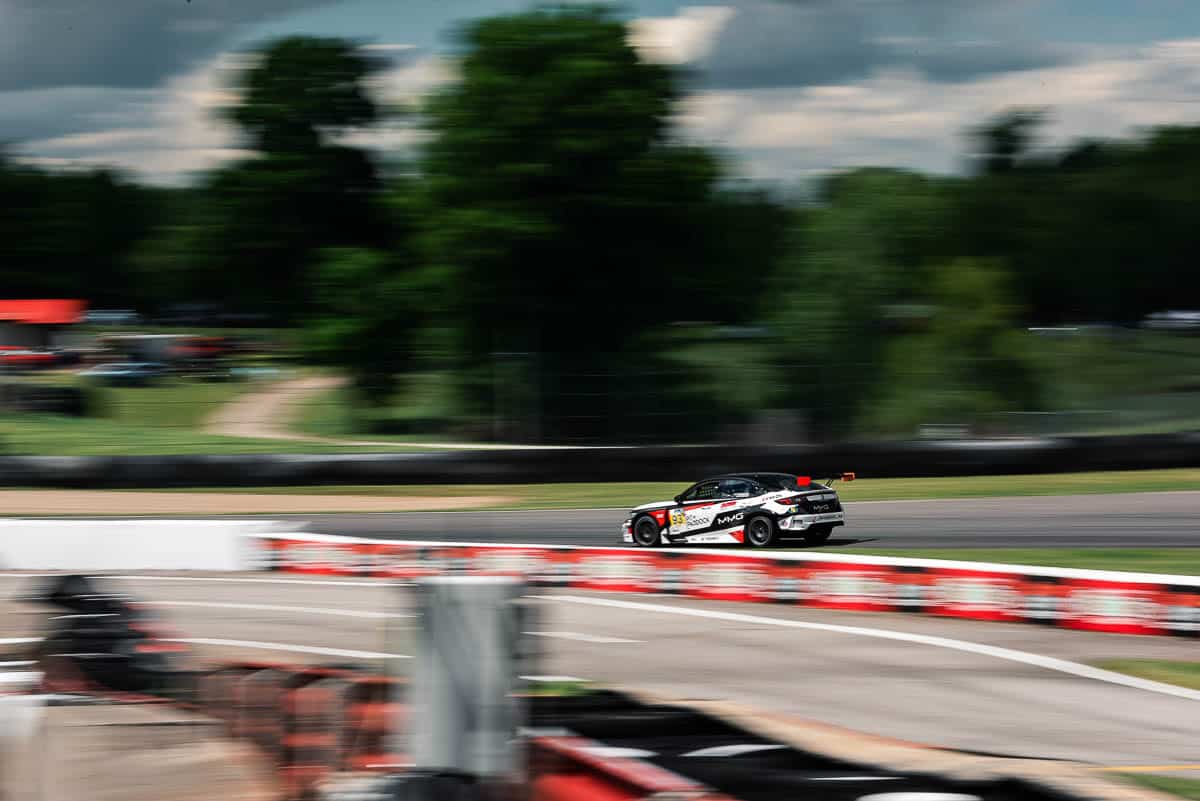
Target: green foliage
553,234
968,365
301,90
851,261
368,306
571,224
254,229
1007,138
70,234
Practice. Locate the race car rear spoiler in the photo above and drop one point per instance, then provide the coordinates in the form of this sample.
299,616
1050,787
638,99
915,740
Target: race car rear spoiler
804,481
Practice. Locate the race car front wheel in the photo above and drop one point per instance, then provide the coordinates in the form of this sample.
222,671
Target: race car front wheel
760,531
817,535
645,532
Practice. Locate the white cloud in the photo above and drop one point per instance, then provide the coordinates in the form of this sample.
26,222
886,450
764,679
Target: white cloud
167,136
162,136
895,116
410,81
685,38
906,119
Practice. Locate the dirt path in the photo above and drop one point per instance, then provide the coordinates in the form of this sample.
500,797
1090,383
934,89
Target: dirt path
100,502
265,414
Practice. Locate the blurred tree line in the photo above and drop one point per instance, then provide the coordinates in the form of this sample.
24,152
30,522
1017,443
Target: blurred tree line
553,233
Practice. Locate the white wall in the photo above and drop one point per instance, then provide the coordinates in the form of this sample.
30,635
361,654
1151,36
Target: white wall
109,544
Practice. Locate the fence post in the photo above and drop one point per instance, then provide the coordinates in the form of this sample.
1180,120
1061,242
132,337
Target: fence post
465,709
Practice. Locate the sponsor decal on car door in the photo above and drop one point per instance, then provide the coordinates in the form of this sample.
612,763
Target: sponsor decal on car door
692,518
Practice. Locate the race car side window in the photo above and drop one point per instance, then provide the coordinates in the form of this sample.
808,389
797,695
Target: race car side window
704,491
738,488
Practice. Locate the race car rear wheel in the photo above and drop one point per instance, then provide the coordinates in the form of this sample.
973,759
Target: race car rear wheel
817,535
760,531
645,531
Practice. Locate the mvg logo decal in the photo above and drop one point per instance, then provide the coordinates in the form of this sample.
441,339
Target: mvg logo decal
732,517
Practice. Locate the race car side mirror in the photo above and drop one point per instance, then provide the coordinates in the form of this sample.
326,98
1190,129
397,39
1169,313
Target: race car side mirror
679,499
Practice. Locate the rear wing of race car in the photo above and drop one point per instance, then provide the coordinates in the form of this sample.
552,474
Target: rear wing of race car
805,481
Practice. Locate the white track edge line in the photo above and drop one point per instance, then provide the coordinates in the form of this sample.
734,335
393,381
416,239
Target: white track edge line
313,610
379,582
262,646
278,646
1025,657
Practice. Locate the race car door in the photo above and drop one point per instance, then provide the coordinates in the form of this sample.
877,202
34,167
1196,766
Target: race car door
696,511
736,495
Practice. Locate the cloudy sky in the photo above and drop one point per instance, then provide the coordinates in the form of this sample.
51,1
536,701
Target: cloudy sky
788,88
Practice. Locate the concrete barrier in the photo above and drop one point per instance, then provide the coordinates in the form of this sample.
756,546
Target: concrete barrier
98,545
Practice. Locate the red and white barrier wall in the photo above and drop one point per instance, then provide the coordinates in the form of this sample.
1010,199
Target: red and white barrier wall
1127,603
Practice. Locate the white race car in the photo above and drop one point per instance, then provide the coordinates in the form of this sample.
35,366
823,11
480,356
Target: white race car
754,509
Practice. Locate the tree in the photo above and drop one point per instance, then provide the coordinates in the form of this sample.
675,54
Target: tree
1006,139
853,267
369,305
72,234
266,218
967,367
300,91
572,223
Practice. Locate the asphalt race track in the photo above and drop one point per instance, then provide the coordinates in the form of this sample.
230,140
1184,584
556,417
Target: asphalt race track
765,657
1144,520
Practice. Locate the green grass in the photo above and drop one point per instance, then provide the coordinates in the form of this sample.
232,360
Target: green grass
419,408
1174,785
520,496
1183,674
875,489
54,435
167,418
173,404
1178,561
628,494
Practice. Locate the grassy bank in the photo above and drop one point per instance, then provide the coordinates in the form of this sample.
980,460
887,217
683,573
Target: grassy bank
1184,674
55,435
628,494
1174,785
167,418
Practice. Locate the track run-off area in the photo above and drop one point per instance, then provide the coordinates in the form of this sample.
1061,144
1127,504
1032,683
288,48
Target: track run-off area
1005,689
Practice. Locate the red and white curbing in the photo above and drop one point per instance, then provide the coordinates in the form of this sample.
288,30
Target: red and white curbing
1126,603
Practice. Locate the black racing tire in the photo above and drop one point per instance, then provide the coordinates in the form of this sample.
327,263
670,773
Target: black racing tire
817,535
760,531
645,531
